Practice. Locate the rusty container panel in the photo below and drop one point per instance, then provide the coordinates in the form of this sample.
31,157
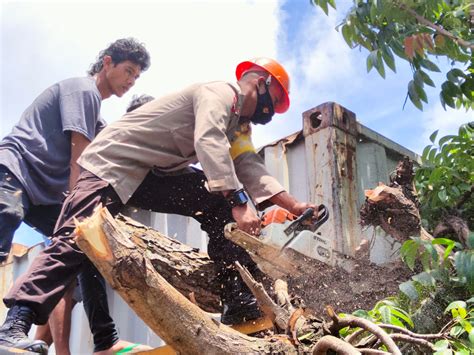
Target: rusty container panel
340,159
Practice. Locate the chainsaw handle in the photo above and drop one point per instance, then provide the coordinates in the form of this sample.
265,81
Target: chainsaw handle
323,215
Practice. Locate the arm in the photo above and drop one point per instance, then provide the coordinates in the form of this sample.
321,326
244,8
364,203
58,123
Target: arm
78,144
212,105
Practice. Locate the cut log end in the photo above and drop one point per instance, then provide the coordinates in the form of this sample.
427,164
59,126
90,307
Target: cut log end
89,234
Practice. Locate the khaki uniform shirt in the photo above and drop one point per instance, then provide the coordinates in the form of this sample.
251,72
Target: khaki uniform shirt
198,124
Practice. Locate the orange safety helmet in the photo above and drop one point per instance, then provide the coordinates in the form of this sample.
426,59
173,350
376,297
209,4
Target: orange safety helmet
276,70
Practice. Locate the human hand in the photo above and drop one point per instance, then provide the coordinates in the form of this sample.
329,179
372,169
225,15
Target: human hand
299,207
246,219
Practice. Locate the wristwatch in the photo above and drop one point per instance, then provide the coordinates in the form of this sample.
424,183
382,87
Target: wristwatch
237,198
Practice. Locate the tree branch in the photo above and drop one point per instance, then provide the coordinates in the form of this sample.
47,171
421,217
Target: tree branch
437,28
351,321
410,333
329,342
277,314
408,339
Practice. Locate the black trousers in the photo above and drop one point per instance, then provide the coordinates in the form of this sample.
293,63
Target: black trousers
57,266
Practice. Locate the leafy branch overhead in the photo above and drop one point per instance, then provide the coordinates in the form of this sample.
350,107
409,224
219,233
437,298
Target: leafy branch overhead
415,31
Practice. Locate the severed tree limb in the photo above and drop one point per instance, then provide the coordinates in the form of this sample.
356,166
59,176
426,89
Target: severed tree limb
277,314
180,323
351,321
188,270
281,294
270,260
329,342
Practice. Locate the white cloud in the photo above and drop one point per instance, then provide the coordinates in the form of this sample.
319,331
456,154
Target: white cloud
319,63
447,122
189,41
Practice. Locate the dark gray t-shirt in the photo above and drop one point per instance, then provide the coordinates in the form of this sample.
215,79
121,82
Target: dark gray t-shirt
38,150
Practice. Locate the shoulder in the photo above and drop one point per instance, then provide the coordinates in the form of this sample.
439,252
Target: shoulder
217,90
78,85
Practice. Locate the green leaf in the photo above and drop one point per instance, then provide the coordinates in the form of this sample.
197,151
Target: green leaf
421,93
456,331
347,34
408,253
373,12
323,4
454,74
402,315
445,139
441,345
385,314
362,314
371,60
446,99
471,336
470,242
429,65
464,263
454,305
332,3
425,259
424,155
431,157
443,196
413,95
418,78
426,78
425,279
398,49
448,251
443,241
389,58
379,65
409,289
451,89
433,136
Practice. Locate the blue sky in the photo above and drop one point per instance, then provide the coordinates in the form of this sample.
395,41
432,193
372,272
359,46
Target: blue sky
190,41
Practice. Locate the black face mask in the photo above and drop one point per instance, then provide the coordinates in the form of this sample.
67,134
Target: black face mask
264,110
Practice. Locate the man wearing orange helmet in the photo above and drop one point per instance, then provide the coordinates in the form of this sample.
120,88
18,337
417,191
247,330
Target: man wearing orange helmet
144,159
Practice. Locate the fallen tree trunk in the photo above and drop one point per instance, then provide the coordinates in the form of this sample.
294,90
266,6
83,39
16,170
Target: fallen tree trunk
318,284
179,322
126,253
188,270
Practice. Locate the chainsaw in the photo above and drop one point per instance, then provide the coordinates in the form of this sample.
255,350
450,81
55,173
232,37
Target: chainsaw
282,229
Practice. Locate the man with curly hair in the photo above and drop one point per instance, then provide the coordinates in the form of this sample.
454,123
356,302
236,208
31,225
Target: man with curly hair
38,164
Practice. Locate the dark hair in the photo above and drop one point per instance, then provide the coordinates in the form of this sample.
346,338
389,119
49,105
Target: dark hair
137,101
120,51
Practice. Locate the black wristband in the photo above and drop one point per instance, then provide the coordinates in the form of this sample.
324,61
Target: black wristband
237,198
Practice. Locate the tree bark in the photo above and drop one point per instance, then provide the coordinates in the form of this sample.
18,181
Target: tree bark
126,264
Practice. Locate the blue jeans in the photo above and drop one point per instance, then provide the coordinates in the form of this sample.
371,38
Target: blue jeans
16,207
